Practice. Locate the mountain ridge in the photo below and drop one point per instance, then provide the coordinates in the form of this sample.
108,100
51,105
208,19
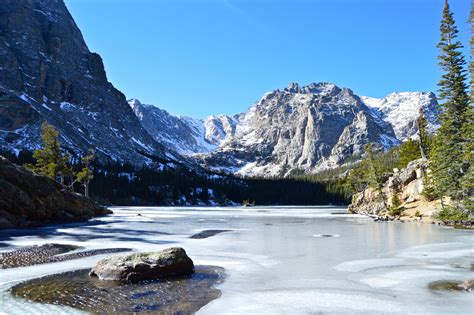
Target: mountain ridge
241,149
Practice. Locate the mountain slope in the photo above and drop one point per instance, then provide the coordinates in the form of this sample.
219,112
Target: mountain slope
400,110
308,128
48,73
183,134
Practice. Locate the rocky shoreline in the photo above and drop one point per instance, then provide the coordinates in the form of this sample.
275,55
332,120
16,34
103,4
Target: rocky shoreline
31,200
407,184
467,224
48,253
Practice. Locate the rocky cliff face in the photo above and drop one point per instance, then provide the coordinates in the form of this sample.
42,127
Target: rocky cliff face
400,110
407,183
28,199
308,128
182,134
48,73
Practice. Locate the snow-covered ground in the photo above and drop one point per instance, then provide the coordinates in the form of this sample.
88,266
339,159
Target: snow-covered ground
276,260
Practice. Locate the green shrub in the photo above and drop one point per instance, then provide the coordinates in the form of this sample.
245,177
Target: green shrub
396,211
449,213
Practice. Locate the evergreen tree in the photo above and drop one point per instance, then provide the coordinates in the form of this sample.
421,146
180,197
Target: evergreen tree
424,141
448,150
409,151
85,175
468,131
396,208
371,175
50,161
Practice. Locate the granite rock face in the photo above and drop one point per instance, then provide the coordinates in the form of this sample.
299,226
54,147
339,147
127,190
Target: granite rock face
48,73
28,199
407,183
144,266
307,128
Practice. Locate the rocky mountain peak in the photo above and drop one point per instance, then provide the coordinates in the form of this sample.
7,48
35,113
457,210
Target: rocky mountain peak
47,73
321,88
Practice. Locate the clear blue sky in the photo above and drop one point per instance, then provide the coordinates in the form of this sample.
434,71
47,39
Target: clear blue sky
206,57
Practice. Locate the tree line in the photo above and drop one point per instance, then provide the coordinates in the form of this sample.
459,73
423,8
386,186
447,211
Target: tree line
121,183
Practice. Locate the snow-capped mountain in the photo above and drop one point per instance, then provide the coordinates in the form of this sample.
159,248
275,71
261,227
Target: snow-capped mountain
47,73
184,135
220,128
308,128
400,110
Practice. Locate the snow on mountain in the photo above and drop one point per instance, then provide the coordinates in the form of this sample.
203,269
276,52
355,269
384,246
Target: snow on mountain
47,73
401,110
309,128
220,128
182,134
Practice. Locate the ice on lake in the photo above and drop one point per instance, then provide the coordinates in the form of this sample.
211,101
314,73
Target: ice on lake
278,260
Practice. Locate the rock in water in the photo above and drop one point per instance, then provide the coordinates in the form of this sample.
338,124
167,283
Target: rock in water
144,266
467,285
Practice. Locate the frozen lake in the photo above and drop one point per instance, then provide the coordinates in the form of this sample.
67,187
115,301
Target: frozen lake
278,260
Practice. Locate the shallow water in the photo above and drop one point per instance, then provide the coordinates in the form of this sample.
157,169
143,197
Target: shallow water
278,260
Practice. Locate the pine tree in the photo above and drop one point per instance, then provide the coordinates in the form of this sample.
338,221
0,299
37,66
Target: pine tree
409,151
468,131
371,175
396,208
50,161
86,174
424,141
447,160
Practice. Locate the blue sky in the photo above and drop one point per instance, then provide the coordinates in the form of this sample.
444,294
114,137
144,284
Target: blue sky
202,57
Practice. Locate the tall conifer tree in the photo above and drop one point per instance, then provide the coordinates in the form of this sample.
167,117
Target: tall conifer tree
424,143
449,145
468,130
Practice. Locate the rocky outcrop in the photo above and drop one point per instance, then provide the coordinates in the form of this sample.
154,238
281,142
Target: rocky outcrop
368,202
28,199
144,266
48,73
407,183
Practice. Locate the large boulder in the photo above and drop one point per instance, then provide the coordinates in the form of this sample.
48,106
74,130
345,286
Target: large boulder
28,199
144,266
368,202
